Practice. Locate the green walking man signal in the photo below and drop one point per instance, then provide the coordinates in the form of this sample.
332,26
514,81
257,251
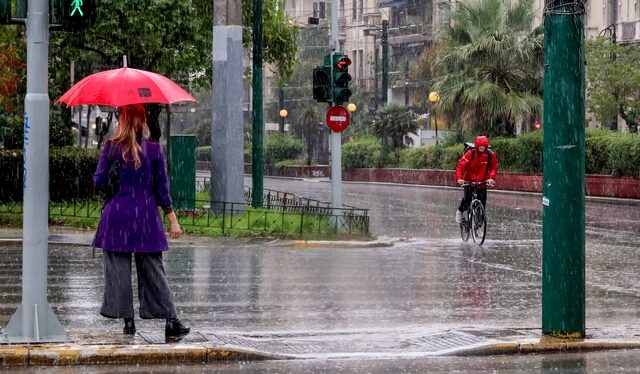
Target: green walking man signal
77,7
76,14
331,80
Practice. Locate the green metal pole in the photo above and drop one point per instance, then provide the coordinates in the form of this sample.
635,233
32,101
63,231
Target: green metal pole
563,241
385,61
257,161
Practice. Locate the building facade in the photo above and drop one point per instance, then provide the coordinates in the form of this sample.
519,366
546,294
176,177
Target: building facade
412,25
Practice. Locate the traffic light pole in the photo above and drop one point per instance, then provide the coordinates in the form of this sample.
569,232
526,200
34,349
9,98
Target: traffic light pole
34,321
336,137
563,225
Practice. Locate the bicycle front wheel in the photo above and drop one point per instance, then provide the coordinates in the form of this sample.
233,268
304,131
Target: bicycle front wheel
478,222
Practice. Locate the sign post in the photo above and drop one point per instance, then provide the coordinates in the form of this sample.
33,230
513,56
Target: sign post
35,321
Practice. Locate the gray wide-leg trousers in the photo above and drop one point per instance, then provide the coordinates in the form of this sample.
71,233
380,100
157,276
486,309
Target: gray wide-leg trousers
153,288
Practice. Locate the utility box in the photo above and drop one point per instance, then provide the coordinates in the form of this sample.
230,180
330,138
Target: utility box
182,171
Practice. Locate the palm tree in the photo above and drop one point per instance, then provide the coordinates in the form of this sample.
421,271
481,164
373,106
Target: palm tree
488,66
393,123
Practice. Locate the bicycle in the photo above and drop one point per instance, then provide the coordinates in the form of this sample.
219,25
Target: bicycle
475,219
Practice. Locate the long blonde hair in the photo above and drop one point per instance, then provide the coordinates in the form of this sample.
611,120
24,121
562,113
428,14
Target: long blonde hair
131,123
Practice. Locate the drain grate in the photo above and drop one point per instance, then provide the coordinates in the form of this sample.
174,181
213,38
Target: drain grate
159,338
276,346
359,344
343,345
445,341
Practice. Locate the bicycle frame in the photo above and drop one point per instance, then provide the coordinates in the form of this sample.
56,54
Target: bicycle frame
476,220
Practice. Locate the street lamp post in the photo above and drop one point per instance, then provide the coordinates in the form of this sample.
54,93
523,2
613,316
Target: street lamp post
610,32
283,114
351,107
433,98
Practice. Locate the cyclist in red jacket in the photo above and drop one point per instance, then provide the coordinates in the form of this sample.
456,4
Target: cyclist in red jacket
478,164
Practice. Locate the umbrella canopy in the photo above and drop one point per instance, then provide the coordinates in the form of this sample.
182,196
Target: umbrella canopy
124,86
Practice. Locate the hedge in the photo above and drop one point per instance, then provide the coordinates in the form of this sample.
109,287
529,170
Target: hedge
606,153
280,147
70,173
363,152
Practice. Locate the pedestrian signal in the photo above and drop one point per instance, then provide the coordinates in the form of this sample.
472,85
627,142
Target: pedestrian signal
76,14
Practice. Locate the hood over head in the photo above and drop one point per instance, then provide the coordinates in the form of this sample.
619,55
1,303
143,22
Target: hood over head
482,140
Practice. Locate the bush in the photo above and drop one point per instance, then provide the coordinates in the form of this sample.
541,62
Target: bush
11,176
425,157
529,152
280,147
597,151
70,169
362,153
451,155
624,157
506,151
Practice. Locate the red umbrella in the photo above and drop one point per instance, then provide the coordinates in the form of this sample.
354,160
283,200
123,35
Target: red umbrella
124,86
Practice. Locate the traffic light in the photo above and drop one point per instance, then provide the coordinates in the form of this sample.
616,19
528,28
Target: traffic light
340,91
76,14
5,12
322,84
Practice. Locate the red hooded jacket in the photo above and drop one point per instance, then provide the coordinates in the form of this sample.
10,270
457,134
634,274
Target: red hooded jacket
475,169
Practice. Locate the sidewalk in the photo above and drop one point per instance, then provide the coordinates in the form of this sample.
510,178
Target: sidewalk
99,347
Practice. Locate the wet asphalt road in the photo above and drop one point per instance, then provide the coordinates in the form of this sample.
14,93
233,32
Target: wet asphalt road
428,279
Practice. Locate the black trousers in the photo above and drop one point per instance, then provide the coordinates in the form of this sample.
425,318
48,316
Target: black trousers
153,288
466,199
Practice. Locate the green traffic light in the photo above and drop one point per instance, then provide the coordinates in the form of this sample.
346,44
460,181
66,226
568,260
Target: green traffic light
77,7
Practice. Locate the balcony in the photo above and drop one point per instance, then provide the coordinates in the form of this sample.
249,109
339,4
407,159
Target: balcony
410,34
342,26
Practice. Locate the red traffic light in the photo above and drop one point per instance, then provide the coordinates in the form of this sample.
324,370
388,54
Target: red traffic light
343,63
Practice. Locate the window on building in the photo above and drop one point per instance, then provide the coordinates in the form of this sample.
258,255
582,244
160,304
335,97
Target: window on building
360,64
319,10
341,8
354,64
361,7
354,9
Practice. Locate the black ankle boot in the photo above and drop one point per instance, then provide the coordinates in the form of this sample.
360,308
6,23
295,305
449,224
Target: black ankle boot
175,328
129,326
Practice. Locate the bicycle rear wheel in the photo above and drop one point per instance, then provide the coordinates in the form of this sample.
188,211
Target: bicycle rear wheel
478,222
465,226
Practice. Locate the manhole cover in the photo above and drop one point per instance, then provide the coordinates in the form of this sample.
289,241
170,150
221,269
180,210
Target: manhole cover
159,338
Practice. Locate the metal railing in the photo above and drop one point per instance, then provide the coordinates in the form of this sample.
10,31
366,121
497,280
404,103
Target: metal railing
284,214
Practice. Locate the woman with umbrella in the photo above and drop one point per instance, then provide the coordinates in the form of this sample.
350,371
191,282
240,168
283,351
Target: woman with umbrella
131,225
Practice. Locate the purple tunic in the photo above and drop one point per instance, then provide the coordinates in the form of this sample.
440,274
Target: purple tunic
130,221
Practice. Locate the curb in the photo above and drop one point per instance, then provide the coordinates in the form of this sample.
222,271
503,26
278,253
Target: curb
72,354
301,244
547,346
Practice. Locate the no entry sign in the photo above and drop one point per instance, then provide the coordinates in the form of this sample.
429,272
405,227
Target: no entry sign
338,118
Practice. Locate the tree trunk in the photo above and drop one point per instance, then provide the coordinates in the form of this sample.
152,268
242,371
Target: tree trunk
631,122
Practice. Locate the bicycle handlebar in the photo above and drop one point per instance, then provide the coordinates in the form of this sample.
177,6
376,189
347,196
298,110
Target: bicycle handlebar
475,184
